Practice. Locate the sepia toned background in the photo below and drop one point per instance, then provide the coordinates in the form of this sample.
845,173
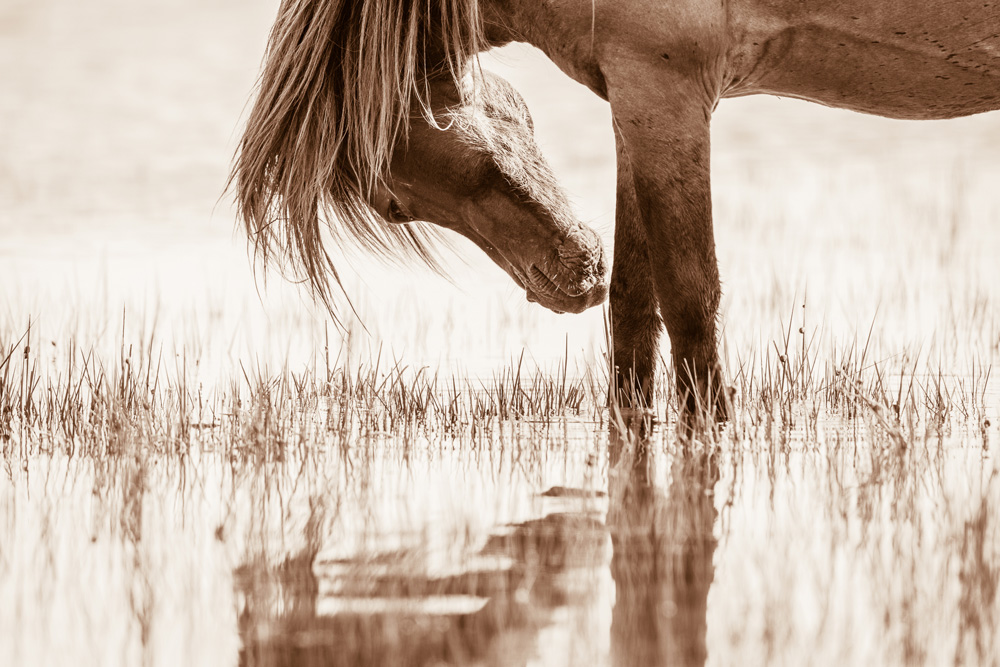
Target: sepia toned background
118,120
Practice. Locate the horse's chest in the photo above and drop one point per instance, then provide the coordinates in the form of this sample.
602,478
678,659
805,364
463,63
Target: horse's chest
580,66
579,35
565,31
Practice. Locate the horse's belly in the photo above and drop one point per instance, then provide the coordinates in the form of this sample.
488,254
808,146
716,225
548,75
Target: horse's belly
893,68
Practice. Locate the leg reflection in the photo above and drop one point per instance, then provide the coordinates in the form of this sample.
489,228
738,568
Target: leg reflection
663,548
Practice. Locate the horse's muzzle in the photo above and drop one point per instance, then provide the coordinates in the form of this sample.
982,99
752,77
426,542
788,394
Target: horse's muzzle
573,277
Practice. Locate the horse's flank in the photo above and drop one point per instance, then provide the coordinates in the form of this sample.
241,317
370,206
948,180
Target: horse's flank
339,80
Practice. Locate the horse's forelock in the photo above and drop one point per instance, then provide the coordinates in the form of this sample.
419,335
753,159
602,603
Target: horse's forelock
333,99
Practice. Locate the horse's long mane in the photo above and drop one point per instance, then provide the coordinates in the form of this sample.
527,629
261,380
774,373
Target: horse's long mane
332,100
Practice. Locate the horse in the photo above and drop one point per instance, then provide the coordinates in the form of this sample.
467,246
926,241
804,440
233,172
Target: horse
348,72
466,161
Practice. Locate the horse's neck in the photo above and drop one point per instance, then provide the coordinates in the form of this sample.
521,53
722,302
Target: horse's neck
534,21
564,32
501,21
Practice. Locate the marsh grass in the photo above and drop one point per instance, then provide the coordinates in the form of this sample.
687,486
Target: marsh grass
78,402
337,495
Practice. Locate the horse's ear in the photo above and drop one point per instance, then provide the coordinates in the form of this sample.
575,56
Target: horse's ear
503,101
527,114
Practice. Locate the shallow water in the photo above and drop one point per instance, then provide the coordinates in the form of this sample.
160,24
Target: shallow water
245,506
556,545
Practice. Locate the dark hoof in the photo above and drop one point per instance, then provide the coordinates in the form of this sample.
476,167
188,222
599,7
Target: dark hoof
706,411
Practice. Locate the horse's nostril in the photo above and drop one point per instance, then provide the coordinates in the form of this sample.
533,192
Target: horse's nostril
574,254
582,252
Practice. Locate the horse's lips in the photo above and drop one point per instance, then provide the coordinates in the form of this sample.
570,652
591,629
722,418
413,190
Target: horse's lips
541,289
542,283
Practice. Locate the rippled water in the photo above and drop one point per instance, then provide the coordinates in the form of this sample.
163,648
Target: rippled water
193,482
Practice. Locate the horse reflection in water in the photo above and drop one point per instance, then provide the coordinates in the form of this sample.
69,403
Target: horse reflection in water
391,609
663,548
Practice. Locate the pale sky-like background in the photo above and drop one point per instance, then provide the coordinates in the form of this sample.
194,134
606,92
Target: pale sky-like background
118,121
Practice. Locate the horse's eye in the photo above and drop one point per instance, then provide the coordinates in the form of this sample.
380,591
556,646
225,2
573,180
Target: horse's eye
396,212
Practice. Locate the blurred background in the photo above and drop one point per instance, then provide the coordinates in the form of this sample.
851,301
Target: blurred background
118,121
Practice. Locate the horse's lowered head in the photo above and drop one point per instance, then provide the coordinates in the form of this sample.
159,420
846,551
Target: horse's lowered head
364,119
469,163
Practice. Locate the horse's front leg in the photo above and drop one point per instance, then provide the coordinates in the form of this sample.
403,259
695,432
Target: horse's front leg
663,123
635,322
